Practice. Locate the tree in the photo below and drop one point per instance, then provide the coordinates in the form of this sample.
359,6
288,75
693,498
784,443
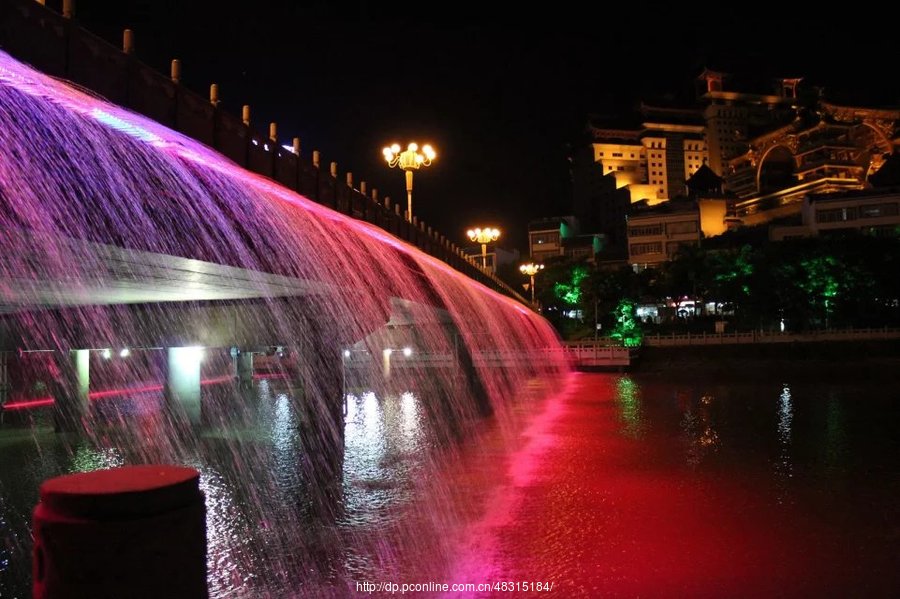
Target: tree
627,330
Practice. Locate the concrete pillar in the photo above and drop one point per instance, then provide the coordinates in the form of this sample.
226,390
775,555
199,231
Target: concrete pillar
70,384
321,403
386,363
475,386
183,382
244,369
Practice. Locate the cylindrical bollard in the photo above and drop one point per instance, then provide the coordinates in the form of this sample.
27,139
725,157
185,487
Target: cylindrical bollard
136,531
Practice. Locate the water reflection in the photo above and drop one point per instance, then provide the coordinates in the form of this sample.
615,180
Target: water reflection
263,536
227,535
699,434
784,466
628,399
835,445
88,459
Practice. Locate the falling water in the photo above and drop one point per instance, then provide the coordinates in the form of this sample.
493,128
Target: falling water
122,237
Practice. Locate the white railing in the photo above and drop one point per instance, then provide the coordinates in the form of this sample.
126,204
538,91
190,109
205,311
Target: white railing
749,337
597,354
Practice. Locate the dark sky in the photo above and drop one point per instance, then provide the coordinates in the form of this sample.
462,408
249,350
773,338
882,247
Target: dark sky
499,97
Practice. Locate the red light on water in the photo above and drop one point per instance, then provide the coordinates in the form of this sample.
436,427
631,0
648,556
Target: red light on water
41,402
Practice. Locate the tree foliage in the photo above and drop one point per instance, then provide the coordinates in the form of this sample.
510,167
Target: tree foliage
850,280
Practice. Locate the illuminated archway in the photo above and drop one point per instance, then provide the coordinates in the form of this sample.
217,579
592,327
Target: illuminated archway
776,169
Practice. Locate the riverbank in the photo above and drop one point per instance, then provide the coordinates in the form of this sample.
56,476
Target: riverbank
829,360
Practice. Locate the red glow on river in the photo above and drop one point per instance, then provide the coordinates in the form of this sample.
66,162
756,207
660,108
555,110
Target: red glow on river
603,512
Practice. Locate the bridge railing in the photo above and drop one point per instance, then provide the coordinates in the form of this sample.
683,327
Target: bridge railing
58,46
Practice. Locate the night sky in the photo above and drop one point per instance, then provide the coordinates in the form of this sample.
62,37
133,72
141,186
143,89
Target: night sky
500,98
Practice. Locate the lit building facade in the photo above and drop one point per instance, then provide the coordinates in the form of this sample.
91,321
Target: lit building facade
774,143
654,160
545,236
558,237
830,149
657,233
873,212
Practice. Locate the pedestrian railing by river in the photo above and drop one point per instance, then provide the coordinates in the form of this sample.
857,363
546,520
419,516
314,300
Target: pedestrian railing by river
749,337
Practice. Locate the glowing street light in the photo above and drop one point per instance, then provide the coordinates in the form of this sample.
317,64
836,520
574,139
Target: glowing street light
530,270
484,237
409,160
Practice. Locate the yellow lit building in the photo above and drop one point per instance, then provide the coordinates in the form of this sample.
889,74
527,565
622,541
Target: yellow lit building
773,142
654,159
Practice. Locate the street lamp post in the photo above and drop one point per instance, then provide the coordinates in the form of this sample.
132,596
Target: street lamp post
530,270
409,160
484,237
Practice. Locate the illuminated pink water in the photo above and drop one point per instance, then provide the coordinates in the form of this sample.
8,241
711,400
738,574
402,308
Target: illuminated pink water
618,491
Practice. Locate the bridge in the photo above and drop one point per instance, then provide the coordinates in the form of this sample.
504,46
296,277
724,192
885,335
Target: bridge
56,45
121,232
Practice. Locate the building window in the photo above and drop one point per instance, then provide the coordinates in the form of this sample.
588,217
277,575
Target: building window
641,249
645,231
617,154
835,216
877,210
542,238
682,227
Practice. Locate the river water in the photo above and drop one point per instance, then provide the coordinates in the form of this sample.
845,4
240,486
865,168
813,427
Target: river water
608,485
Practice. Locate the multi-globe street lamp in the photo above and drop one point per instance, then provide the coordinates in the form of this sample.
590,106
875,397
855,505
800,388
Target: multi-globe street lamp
530,270
409,160
484,237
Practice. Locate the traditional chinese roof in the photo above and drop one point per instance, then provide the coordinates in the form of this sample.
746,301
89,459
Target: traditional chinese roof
704,181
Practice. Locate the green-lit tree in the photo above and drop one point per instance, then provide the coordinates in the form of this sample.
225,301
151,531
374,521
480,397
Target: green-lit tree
627,330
